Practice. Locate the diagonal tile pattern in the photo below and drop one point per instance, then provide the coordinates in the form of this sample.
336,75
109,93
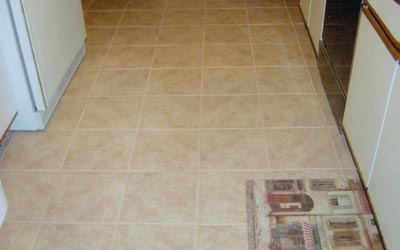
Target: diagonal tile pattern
176,104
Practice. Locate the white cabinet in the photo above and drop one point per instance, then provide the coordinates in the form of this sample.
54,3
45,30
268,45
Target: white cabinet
313,13
7,105
384,186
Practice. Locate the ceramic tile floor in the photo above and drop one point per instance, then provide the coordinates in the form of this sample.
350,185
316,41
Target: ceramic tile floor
176,104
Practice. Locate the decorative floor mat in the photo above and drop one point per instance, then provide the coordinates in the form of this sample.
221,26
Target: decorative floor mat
313,214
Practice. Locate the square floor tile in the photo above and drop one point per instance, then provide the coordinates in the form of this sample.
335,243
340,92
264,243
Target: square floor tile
222,237
100,150
233,149
226,34
81,83
230,112
93,58
175,82
67,113
120,82
225,4
149,237
295,15
326,109
129,57
166,150
146,4
38,150
181,35
178,56
272,34
277,55
300,149
86,197
265,3
291,110
342,149
126,36
183,17
160,198
229,81
17,236
227,55
284,80
302,33
108,5
99,36
268,16
226,16
186,4
142,18
309,54
171,112
74,237
27,194
222,197
102,18
111,113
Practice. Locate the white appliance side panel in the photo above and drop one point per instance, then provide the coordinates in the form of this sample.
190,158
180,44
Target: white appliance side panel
385,187
317,22
305,6
370,84
57,31
7,104
389,12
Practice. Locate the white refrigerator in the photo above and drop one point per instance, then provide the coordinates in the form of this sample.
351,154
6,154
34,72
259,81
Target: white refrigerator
43,43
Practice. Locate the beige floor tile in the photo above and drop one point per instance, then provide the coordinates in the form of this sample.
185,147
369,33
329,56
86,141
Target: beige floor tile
342,149
181,35
225,3
233,149
94,57
74,237
302,33
150,237
38,150
175,82
295,15
100,150
99,36
102,18
222,197
178,56
160,197
17,236
186,17
284,80
81,83
300,149
129,57
277,55
291,110
86,197
265,3
227,55
222,238
142,18
229,81
273,34
166,150
67,113
146,4
111,113
292,3
316,78
226,16
108,5
186,4
309,54
121,82
268,16
327,114
27,194
230,112
308,174
226,34
171,112
136,36
85,4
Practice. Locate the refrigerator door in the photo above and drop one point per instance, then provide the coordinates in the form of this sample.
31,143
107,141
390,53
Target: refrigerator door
56,30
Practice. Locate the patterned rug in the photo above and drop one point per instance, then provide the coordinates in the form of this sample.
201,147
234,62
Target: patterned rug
314,214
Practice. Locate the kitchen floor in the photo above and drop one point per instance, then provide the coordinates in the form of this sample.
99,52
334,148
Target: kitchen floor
176,104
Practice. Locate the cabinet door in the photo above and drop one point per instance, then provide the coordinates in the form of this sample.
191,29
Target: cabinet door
384,188
7,105
370,83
